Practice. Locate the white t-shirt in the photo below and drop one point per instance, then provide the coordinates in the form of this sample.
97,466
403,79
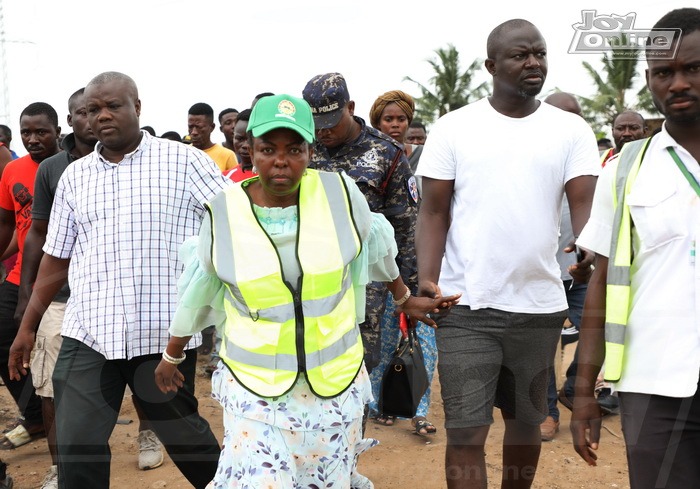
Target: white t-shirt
662,340
509,175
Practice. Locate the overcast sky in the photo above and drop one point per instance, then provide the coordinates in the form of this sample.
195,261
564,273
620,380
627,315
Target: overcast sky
224,52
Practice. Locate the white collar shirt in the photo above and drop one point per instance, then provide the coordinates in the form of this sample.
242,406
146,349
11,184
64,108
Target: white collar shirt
121,225
662,339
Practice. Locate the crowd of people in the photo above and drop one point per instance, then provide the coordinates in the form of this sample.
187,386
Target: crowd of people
286,253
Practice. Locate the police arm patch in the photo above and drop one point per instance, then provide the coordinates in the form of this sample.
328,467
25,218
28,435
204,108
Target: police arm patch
412,188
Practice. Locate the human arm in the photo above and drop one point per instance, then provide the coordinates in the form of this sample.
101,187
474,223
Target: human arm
11,249
168,376
431,233
419,308
5,157
200,304
7,229
31,258
579,193
401,210
377,261
50,278
586,416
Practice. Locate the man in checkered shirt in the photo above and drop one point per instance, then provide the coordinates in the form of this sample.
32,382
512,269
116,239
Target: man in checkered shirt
119,217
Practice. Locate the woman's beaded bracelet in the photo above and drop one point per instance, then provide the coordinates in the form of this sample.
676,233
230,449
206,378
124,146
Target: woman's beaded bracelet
173,360
403,299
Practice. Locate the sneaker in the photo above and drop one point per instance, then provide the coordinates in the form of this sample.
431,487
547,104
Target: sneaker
569,335
150,450
51,479
7,483
549,428
609,403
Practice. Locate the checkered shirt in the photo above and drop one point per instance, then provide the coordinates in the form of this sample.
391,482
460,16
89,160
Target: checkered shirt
122,225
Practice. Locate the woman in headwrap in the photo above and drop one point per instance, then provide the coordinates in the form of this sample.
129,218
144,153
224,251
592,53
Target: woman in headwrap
392,113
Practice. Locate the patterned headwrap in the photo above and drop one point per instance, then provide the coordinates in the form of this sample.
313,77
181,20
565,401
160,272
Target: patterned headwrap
402,99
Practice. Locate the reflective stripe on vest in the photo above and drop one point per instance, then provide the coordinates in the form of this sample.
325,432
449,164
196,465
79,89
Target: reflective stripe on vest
618,289
606,155
271,332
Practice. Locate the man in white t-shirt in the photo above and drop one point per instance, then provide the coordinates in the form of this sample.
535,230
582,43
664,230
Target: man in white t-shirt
642,313
488,228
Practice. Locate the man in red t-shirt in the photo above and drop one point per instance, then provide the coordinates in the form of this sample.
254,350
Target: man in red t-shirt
39,130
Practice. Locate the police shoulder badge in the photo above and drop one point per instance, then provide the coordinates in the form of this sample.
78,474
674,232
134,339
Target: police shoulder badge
413,188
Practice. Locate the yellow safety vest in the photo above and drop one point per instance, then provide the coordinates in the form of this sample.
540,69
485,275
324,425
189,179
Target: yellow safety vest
618,287
274,330
606,155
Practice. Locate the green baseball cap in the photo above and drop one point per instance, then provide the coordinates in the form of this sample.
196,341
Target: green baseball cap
276,111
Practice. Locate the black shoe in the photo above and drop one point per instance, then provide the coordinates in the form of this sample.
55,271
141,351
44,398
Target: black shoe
609,404
566,401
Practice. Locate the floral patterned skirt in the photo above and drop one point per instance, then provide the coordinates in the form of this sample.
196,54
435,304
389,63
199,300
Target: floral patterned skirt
293,441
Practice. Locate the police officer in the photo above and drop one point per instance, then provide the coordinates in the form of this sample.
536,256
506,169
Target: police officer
380,167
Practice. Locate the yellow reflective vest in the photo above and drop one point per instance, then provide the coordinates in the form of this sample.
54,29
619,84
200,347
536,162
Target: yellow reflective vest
274,329
618,290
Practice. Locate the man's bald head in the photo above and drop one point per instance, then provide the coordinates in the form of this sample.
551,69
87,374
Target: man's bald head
110,76
564,101
493,43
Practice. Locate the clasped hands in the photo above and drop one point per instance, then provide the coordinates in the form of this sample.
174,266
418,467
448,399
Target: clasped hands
429,301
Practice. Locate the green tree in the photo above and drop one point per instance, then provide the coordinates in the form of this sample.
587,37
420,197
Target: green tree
449,88
614,84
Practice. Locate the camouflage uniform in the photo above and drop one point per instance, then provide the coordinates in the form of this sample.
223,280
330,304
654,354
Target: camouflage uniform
367,161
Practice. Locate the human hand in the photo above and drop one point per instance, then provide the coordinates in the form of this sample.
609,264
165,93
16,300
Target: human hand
586,420
428,288
420,308
168,377
582,270
20,353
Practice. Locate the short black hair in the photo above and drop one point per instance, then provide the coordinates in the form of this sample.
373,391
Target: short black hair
224,112
172,135
244,115
6,130
149,130
417,124
75,95
41,108
604,141
633,112
110,76
259,96
201,108
686,19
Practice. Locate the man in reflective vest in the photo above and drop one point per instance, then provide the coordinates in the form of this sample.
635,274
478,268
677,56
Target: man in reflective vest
642,314
627,126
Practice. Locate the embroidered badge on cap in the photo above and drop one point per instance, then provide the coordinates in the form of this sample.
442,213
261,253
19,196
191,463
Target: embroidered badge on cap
413,188
286,109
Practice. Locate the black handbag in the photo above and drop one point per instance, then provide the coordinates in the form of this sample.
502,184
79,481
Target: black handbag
405,379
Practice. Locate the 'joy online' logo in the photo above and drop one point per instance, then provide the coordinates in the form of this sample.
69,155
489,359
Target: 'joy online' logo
617,36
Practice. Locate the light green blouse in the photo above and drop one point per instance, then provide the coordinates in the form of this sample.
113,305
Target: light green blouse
201,293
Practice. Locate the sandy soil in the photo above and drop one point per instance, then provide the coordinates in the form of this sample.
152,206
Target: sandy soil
402,460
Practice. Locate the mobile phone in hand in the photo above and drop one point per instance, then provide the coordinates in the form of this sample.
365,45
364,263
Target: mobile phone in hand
579,254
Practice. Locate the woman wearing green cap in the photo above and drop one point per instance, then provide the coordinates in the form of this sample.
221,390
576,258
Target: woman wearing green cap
280,265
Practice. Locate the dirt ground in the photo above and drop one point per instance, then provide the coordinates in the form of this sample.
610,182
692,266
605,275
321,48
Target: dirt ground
401,461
